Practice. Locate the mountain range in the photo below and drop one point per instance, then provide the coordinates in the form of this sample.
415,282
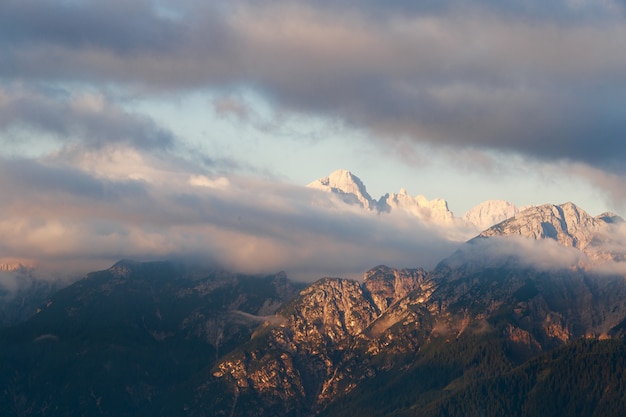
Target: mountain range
528,318
352,191
478,316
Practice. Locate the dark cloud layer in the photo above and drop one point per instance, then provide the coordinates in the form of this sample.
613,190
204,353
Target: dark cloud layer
122,27
546,79
66,219
88,118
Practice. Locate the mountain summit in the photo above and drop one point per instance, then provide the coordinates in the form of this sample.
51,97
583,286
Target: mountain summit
352,190
348,186
566,224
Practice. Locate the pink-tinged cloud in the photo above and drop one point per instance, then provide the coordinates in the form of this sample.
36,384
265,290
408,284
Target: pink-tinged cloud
59,217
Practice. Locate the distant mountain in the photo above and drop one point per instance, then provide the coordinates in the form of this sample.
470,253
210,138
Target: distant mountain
490,212
566,224
348,186
352,191
430,211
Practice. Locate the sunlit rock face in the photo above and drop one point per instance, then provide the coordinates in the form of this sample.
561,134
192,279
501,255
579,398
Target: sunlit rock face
566,224
546,267
352,191
598,238
305,354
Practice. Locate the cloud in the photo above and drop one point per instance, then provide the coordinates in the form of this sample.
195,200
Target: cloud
611,183
225,106
69,217
204,181
125,27
605,255
10,282
545,79
87,118
516,251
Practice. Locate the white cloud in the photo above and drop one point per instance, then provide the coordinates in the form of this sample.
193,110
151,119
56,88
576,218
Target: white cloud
204,181
542,254
81,212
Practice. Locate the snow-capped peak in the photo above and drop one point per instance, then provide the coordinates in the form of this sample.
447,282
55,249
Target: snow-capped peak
431,211
352,190
565,223
348,186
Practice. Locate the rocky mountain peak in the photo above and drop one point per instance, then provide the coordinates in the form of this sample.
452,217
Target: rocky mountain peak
124,268
431,211
351,190
348,186
565,223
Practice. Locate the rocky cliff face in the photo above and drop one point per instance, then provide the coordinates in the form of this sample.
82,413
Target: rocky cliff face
305,355
388,285
544,302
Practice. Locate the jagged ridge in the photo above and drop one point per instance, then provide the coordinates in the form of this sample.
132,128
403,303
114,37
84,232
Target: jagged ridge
351,190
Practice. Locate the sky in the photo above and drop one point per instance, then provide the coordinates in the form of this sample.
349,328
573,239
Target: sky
150,129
